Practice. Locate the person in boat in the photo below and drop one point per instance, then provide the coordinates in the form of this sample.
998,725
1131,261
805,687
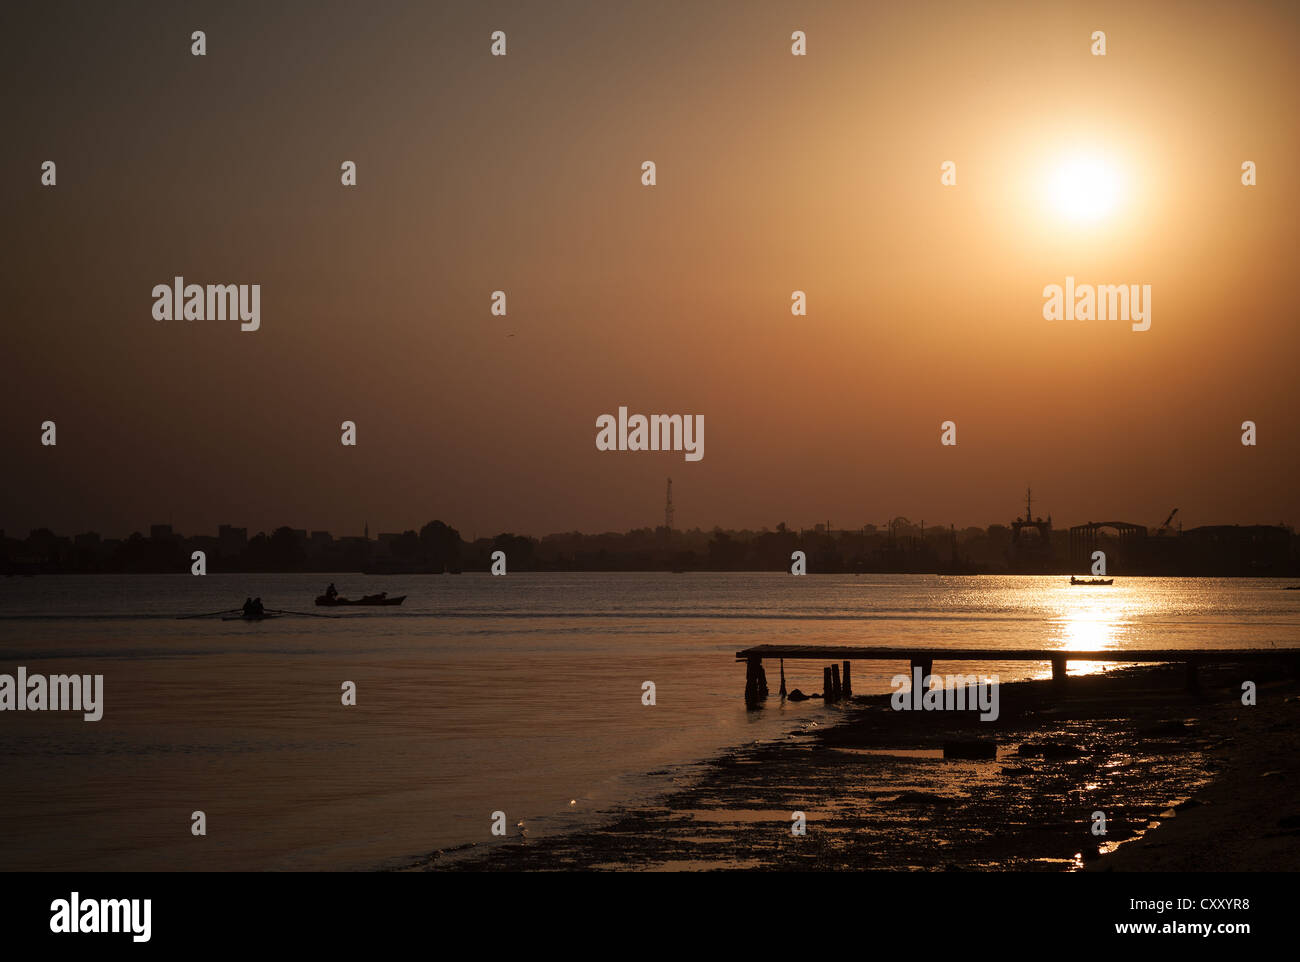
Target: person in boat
331,592
258,610
248,607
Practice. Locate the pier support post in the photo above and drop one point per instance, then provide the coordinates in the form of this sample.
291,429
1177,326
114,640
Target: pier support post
835,681
848,685
782,692
927,667
755,687
828,693
1058,671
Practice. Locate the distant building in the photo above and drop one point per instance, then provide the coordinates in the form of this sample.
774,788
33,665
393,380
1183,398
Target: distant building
46,545
233,541
1237,549
383,547
210,546
318,544
353,552
1031,542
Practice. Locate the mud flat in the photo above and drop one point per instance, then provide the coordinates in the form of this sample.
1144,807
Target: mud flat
1186,781
1247,819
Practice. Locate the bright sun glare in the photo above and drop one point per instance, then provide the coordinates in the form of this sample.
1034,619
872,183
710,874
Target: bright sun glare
1084,189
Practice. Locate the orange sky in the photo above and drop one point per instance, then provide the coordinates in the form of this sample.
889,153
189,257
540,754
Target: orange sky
522,173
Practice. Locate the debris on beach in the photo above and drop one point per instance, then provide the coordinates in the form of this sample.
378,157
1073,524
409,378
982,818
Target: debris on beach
971,750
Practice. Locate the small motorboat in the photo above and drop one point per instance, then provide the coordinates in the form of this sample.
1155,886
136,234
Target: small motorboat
1092,581
379,599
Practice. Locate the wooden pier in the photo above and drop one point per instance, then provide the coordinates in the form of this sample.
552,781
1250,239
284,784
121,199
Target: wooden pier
924,658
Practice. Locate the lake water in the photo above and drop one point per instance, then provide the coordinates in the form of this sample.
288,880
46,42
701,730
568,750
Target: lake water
521,694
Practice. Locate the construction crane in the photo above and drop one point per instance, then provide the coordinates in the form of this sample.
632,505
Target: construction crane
1165,527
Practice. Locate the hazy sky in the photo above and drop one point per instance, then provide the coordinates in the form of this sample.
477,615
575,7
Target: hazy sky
523,173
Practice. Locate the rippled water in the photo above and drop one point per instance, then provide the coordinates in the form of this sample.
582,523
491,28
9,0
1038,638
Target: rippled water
521,694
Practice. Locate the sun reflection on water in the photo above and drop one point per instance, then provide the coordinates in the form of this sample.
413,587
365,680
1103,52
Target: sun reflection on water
1087,618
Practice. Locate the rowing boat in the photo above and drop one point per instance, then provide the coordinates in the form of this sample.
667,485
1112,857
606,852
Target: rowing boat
1094,581
248,617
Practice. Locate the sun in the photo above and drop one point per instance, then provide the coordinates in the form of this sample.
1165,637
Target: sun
1085,188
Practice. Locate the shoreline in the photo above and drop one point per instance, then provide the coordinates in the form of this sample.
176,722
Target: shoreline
1186,782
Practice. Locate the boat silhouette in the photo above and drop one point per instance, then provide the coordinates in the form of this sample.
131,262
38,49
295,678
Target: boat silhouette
379,599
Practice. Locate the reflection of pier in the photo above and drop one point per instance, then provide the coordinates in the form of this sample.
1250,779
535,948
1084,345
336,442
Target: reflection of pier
1085,537
924,658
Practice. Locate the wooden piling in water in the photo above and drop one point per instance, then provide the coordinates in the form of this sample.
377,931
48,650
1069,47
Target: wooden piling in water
1058,672
827,693
835,681
927,666
848,685
753,691
782,692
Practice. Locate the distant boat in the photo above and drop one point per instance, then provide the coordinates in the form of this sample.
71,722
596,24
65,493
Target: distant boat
379,599
261,617
1094,581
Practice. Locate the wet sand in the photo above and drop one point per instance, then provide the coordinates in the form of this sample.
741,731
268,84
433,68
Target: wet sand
1248,818
1186,781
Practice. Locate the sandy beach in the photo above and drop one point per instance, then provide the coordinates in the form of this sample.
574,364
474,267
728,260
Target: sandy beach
1186,781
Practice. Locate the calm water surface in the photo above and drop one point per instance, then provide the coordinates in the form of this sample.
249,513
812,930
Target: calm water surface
520,694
